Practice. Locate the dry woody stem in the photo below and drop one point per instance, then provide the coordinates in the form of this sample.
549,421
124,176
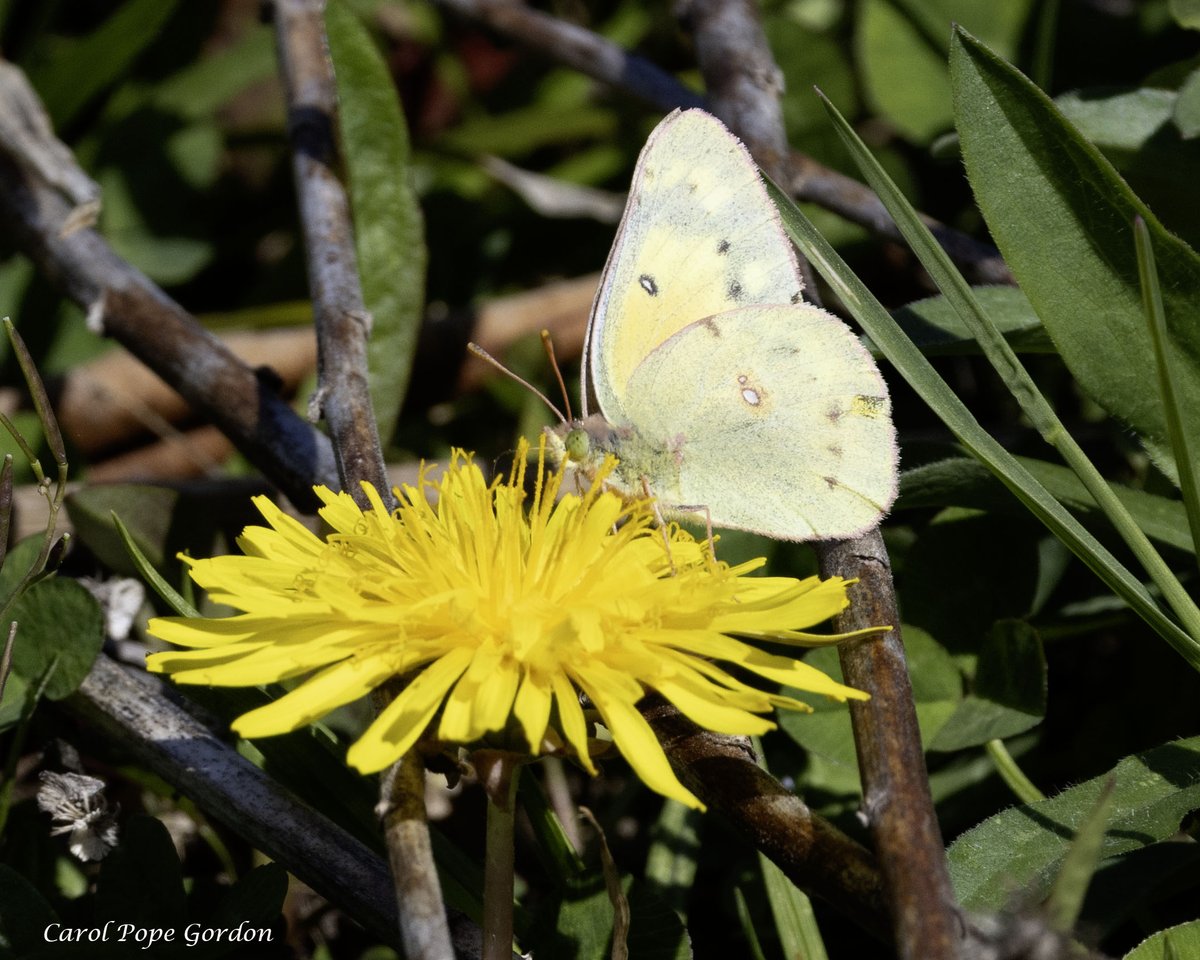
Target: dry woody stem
896,798
128,307
342,327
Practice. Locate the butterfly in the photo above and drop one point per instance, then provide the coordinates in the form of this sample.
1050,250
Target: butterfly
718,389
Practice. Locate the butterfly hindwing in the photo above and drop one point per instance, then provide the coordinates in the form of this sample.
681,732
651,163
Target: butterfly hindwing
778,418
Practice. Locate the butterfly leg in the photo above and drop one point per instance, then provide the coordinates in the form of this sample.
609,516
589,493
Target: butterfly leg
702,508
662,523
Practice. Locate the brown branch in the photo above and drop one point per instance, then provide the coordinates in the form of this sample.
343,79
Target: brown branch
579,48
896,798
138,713
805,178
811,852
743,81
342,322
343,326
135,711
128,307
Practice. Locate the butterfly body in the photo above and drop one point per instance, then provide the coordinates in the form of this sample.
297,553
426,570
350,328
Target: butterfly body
718,389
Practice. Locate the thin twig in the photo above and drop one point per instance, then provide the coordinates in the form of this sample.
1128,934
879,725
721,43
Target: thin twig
342,323
811,852
343,327
743,82
136,313
136,711
896,800
581,49
805,178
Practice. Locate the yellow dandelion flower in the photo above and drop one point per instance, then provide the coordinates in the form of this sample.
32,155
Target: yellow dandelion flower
499,618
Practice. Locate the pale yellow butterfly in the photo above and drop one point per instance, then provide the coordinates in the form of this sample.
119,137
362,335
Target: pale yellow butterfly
719,390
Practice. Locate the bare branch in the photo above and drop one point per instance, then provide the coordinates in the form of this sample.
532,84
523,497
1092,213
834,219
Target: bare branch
811,852
343,326
151,325
342,322
133,709
896,798
579,48
804,177
743,81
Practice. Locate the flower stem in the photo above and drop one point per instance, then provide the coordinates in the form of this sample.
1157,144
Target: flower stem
499,863
1011,774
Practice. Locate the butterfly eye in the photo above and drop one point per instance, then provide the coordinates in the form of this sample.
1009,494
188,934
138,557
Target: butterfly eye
577,445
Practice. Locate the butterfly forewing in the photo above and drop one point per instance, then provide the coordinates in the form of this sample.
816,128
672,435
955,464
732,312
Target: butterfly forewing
699,237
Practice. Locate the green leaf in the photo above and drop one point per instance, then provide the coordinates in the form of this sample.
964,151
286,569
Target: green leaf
199,89
73,72
388,227
937,690
901,46
583,925
61,626
674,853
1009,693
257,898
957,591
1187,107
1037,408
936,327
925,381
16,699
1186,13
1174,943
1023,848
966,483
24,913
795,921
1063,219
1065,902
141,881
147,511
1144,134
167,593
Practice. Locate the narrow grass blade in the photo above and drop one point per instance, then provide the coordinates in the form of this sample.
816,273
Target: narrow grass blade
1165,361
172,597
922,377
1005,361
1070,887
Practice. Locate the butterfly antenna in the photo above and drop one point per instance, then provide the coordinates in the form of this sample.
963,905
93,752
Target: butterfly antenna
484,355
548,344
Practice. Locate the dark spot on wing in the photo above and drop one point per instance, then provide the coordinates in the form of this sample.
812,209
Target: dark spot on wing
708,324
796,297
647,283
692,186
835,450
735,290
834,413
723,246
832,481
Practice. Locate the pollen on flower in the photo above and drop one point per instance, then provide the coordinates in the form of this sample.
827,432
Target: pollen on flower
498,613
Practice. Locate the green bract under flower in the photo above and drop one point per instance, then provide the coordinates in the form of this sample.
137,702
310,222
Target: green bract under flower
499,617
